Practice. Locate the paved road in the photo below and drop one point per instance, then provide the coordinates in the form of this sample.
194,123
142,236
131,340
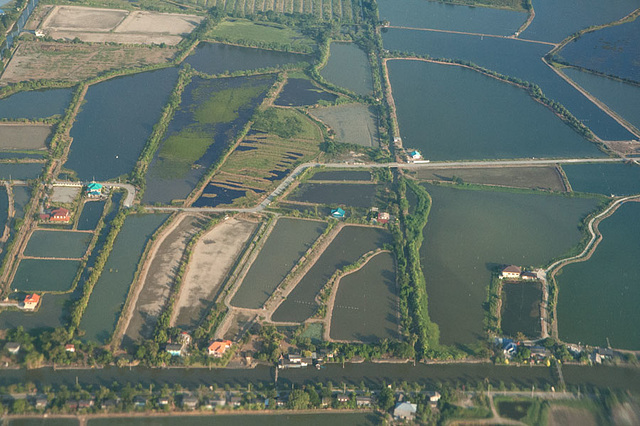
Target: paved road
430,165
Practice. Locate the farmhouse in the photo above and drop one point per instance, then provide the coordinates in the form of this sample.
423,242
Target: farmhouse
219,347
405,410
94,190
529,276
511,272
70,348
57,215
338,213
31,302
383,217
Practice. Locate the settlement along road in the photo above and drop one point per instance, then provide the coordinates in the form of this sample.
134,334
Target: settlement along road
430,165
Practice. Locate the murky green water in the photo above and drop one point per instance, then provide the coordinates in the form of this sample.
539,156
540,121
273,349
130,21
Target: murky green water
512,58
21,197
349,67
45,275
618,179
217,58
111,290
621,97
349,245
90,216
469,234
342,175
598,298
556,20
286,244
349,194
319,419
521,309
366,306
60,244
451,113
35,104
42,422
441,16
102,150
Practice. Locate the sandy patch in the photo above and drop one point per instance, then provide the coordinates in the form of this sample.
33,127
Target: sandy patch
163,23
65,194
567,416
212,259
24,136
122,38
77,18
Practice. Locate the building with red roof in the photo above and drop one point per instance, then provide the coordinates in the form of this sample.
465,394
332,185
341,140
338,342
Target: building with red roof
219,347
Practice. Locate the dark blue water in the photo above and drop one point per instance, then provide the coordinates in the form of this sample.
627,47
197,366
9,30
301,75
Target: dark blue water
442,16
513,58
20,171
612,50
300,92
35,104
217,58
115,122
618,179
555,20
218,195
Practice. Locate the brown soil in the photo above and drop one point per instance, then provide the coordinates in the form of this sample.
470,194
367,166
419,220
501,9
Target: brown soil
34,60
24,136
567,416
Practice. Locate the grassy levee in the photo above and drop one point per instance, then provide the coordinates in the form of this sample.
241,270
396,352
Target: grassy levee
413,292
493,317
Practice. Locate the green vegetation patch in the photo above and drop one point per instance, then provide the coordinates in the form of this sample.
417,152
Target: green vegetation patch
517,5
261,34
181,150
223,106
286,123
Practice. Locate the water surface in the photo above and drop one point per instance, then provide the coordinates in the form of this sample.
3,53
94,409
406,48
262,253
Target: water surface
521,309
35,104
58,244
12,171
115,122
607,179
90,216
598,298
349,67
301,92
45,275
349,194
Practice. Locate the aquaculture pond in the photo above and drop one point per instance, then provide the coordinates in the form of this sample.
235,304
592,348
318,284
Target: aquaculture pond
115,122
35,104
111,289
348,246
12,171
555,20
218,58
512,58
617,179
348,67
4,208
349,194
21,197
623,98
285,245
613,50
442,16
366,305
353,123
44,275
449,113
211,114
301,92
470,234
60,244
319,419
90,216
521,309
39,421
343,175
598,298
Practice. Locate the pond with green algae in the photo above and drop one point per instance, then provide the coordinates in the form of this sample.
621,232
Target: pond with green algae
349,194
598,298
114,123
471,233
285,245
111,289
450,113
60,244
348,67
351,243
366,305
211,114
511,58
45,275
521,309
604,178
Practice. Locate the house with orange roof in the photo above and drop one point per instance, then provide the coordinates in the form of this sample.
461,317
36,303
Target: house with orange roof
31,302
219,347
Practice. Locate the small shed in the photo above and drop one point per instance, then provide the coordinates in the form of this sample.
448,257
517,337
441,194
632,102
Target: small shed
338,213
405,411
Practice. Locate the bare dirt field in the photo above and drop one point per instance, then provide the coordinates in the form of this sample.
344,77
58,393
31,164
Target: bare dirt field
158,278
212,259
24,136
34,60
119,26
568,416
519,177
65,194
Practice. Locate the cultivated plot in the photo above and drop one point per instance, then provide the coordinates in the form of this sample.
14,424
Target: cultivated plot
286,244
366,303
212,260
24,137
